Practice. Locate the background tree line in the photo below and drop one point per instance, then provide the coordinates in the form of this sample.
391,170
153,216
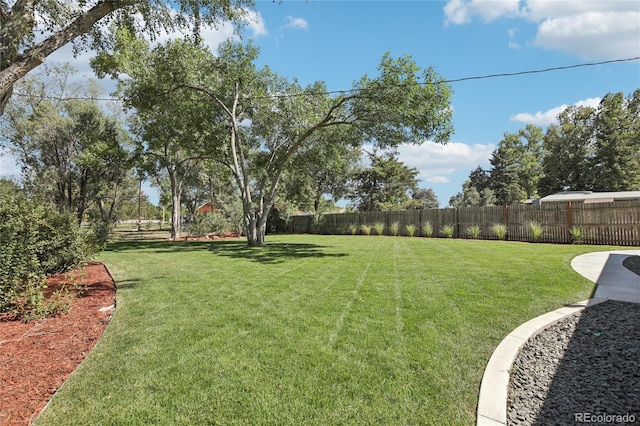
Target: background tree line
214,127
260,137
588,149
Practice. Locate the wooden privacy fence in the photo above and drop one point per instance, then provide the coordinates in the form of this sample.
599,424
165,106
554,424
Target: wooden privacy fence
599,223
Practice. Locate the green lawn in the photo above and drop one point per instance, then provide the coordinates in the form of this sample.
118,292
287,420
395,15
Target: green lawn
313,330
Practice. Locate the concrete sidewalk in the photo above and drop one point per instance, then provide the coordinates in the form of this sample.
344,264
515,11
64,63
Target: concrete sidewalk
613,280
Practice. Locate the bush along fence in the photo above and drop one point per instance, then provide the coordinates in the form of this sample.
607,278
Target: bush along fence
596,223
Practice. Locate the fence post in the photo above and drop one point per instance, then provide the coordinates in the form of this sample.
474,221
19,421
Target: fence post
505,214
386,221
456,218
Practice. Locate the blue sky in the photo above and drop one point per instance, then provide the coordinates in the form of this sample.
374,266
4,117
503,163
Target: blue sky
339,41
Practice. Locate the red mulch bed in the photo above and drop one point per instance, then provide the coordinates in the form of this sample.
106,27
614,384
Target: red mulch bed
38,356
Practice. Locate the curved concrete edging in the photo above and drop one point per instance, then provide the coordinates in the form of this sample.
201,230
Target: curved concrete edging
613,282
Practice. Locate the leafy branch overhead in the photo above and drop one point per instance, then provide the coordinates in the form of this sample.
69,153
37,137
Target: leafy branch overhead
32,30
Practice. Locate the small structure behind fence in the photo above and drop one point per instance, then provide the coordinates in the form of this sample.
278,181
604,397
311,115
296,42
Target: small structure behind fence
599,223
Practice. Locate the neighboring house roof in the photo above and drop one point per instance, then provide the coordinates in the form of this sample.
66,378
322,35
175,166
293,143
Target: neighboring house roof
207,208
590,197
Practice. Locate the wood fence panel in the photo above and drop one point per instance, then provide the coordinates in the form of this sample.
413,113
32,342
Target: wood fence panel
403,218
301,224
601,223
439,218
371,218
345,221
484,217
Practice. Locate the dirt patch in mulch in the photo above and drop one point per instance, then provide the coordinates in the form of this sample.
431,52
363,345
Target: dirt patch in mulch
632,263
38,356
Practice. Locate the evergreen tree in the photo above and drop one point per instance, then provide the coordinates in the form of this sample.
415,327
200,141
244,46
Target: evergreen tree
617,145
516,165
385,185
569,152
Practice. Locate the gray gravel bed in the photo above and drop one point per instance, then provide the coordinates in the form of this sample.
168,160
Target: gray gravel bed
583,369
632,263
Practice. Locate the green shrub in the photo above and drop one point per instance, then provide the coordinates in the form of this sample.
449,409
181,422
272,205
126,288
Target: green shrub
427,228
499,230
411,229
353,229
101,231
473,231
36,241
535,231
366,229
210,223
395,227
64,245
577,236
447,231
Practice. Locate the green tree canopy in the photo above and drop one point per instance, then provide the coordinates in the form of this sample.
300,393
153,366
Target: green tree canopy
72,153
594,149
321,169
385,185
471,197
516,167
424,198
617,143
570,152
254,122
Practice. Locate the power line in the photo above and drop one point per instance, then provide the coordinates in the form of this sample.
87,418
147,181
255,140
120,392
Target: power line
455,80
510,74
590,64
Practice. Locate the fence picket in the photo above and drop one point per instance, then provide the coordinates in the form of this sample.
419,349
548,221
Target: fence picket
601,223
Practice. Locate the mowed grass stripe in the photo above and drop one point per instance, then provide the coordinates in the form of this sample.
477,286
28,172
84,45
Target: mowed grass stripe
309,330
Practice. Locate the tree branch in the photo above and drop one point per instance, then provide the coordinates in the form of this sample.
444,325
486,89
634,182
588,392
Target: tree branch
35,56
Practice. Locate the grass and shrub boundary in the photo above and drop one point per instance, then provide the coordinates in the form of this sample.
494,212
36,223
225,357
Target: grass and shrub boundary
36,241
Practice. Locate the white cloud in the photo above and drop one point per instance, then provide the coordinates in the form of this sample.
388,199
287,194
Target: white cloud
545,118
457,12
297,23
437,179
540,10
436,162
599,35
589,29
256,23
461,11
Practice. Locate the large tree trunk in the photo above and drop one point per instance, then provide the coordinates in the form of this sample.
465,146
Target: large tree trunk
82,196
175,206
256,233
256,223
251,227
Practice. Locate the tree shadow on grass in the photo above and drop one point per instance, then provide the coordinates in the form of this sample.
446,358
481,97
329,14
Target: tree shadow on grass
270,253
126,284
159,246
